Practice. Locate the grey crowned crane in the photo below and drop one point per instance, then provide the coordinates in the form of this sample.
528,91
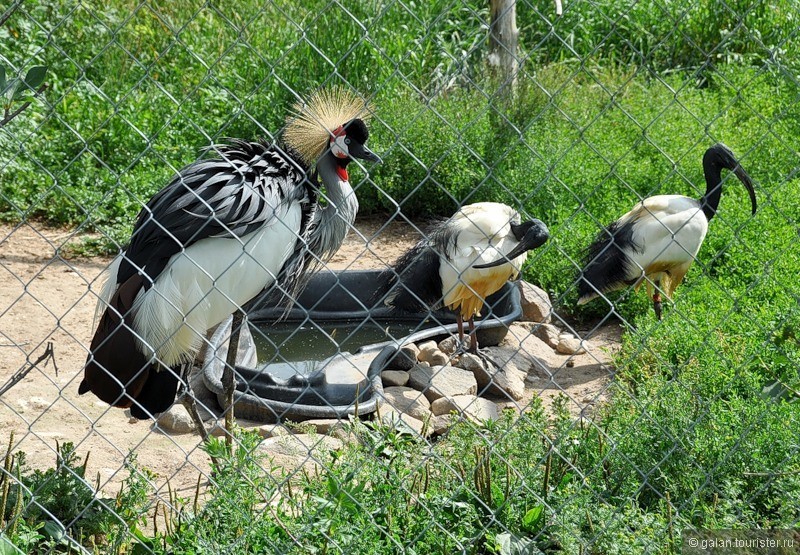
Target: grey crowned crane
219,233
658,240
462,261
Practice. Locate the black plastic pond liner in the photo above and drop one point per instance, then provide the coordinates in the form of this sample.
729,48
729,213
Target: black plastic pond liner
339,296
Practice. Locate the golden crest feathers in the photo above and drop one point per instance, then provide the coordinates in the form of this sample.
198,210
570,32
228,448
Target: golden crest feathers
311,123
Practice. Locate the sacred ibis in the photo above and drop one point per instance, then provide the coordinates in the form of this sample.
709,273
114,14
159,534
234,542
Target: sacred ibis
225,228
462,261
658,240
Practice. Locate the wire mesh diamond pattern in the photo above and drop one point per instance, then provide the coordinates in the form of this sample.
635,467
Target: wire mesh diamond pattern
631,379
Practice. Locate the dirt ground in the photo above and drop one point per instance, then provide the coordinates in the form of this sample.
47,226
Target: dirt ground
46,298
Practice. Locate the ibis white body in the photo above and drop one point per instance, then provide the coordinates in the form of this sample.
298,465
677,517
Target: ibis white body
659,239
463,261
667,233
483,235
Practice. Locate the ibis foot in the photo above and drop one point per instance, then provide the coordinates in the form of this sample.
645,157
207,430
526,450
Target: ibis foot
460,346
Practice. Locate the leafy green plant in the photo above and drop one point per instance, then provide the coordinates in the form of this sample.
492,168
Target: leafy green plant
19,89
58,509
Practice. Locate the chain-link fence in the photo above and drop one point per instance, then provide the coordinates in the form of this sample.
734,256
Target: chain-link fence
367,420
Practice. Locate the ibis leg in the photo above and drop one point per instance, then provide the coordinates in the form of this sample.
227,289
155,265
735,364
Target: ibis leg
473,344
189,402
460,322
228,381
657,300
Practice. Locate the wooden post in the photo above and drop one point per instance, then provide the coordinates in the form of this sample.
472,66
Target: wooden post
503,40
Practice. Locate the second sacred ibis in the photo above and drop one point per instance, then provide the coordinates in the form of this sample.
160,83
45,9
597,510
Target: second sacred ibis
659,239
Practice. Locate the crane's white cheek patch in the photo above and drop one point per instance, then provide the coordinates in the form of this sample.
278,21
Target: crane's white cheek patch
339,147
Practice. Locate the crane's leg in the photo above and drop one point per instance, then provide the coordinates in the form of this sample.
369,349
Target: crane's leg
188,400
657,299
228,381
473,344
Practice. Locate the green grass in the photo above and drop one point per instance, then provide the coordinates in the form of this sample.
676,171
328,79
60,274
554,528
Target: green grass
56,510
701,429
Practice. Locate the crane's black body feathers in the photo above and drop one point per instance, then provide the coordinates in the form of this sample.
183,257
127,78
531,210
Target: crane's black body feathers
230,195
605,263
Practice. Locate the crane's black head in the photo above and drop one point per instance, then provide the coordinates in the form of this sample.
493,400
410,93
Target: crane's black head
531,235
349,142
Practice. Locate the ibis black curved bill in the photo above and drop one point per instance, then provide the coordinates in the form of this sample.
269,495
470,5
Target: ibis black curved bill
535,235
748,184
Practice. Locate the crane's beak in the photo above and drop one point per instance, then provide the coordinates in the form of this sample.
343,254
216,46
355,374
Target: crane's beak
536,236
748,183
361,151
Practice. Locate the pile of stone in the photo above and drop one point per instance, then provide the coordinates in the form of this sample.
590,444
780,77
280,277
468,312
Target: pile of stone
429,386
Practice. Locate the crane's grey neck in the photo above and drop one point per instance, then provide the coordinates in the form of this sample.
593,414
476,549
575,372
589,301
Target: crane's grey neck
332,221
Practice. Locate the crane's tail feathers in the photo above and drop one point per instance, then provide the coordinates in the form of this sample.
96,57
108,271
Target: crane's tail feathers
108,288
157,395
116,370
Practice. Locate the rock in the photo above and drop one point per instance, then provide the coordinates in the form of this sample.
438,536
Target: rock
443,381
448,345
440,424
433,356
394,377
411,348
536,305
568,344
474,408
547,333
408,400
300,445
529,353
39,403
439,359
507,379
176,420
427,346
323,426
405,359
264,430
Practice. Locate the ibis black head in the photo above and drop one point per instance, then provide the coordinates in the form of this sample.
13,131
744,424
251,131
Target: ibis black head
352,142
715,159
531,235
